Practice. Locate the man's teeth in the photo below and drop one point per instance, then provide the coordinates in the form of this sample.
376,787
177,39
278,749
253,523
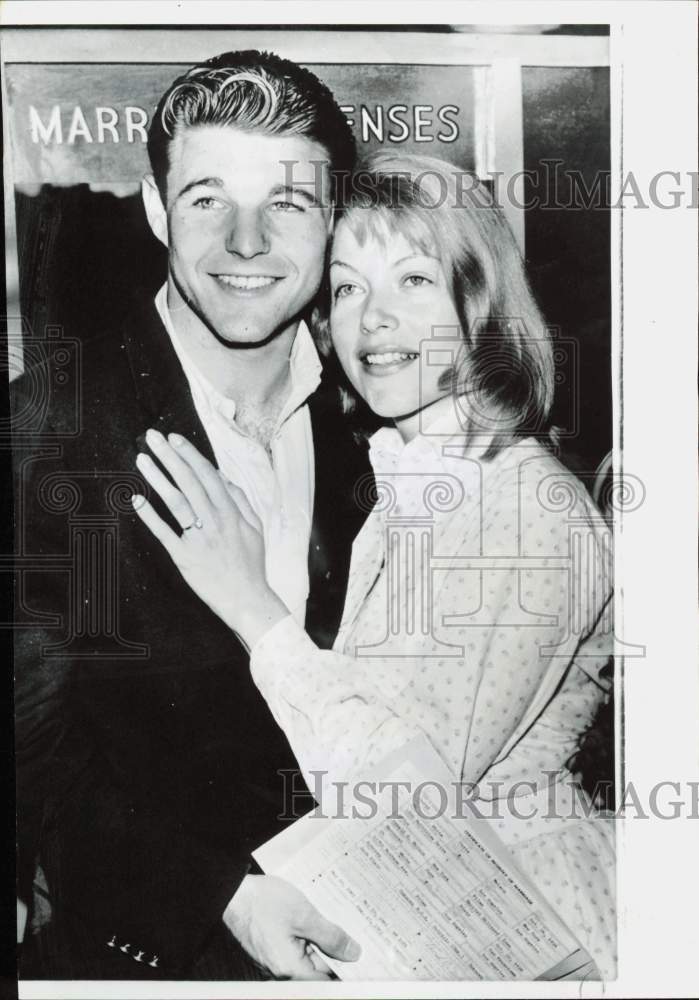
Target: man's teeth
389,359
236,281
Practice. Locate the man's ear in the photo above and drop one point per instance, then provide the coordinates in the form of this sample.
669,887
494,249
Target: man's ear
155,210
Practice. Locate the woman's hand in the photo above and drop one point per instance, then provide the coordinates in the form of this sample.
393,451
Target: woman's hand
220,552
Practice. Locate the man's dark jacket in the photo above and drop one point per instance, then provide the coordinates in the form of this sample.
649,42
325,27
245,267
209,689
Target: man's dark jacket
148,764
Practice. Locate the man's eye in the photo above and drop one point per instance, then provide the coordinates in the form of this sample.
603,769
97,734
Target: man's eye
415,280
206,201
285,206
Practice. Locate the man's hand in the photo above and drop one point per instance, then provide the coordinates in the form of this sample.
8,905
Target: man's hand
274,922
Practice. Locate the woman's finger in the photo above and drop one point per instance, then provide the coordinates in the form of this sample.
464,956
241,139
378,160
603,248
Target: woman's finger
165,535
176,503
202,468
219,489
184,477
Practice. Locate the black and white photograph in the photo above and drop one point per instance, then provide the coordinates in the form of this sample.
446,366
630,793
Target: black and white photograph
351,371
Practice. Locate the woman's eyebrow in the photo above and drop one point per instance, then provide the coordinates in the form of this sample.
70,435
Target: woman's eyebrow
413,256
341,263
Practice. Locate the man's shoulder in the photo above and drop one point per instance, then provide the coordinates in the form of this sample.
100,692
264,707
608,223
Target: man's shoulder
64,377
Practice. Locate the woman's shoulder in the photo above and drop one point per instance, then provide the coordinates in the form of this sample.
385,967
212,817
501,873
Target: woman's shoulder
545,490
556,525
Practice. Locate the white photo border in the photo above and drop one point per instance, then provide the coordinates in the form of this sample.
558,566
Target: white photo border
653,49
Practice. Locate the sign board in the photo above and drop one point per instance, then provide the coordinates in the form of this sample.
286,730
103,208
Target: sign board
88,123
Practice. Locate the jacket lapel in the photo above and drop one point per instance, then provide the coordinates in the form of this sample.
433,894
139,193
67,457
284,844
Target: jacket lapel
160,384
341,466
166,404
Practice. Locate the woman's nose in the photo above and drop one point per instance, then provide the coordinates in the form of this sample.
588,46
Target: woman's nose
247,235
378,315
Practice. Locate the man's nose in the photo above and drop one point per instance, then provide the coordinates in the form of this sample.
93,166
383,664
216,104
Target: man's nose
247,234
378,314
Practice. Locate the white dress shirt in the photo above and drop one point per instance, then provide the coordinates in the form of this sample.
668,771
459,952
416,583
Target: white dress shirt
281,491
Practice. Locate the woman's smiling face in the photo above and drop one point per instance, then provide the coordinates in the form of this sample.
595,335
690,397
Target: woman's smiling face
388,297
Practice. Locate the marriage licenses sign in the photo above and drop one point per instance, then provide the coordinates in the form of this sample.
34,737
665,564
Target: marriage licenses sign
87,123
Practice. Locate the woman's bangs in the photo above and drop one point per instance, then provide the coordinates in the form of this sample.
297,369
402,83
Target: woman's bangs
382,223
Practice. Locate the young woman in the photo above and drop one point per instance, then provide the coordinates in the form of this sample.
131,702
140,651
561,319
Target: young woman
478,604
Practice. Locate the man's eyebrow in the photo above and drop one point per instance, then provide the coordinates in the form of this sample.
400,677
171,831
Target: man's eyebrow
307,196
214,182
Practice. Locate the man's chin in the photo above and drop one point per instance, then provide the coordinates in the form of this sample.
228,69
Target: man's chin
246,337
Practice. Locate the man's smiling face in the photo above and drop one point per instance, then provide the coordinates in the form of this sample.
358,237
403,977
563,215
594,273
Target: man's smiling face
246,234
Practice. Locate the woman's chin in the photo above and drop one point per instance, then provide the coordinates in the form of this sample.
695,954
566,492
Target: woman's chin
392,406
399,410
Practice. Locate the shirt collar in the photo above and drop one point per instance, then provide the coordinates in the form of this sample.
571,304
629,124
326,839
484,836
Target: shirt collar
304,369
437,455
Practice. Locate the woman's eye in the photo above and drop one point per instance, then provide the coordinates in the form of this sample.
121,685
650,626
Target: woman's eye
416,280
342,291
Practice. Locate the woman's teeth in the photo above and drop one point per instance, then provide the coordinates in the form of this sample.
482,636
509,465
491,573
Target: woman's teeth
389,359
235,281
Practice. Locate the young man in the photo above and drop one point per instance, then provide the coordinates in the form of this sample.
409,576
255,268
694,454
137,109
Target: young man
148,764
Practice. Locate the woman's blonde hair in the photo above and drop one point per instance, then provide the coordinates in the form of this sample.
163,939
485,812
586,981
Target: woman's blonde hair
506,366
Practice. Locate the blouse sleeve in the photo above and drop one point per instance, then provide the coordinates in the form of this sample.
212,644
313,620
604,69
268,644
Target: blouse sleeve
335,719
518,627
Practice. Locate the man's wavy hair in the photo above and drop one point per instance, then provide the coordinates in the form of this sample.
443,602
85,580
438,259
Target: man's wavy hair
504,366
256,92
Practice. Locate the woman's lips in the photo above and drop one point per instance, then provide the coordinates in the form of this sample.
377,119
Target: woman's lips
387,362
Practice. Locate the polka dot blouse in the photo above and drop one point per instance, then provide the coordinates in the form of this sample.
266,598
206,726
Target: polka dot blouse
478,614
